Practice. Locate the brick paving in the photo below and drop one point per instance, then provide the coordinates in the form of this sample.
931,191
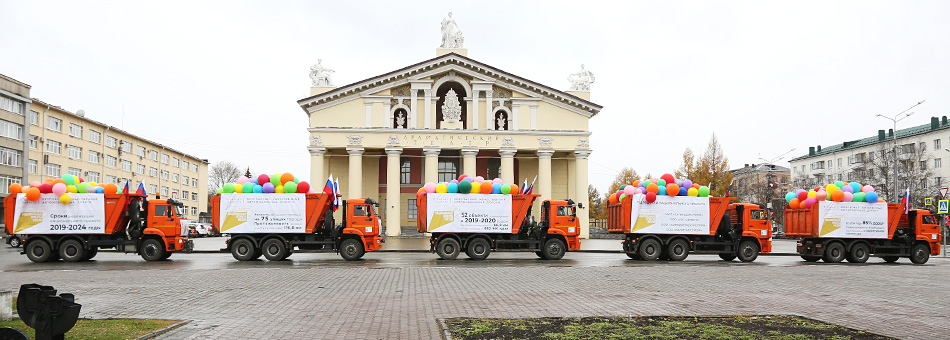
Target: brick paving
393,301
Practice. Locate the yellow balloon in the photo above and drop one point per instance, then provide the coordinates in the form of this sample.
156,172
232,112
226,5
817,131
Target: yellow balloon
830,188
64,199
812,193
72,189
279,189
441,188
476,188
238,188
692,192
93,184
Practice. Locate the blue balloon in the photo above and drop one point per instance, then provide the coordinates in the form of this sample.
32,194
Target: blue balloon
871,197
662,190
683,191
453,188
789,197
258,189
496,188
855,186
100,190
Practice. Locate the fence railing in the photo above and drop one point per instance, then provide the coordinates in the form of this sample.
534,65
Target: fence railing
601,223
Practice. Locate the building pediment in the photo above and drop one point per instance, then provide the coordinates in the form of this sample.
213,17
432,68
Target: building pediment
474,73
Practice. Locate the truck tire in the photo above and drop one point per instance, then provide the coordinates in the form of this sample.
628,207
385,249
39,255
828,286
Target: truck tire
167,255
890,259
811,258
919,254
859,253
479,249
15,242
274,249
677,250
748,251
448,248
628,249
728,257
243,250
38,251
650,249
152,250
72,251
554,249
351,249
91,252
834,253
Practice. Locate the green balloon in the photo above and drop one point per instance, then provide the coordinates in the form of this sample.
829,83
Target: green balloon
622,186
647,182
505,188
247,188
82,187
839,184
220,190
858,197
275,180
70,179
703,191
290,187
229,188
465,186
661,182
296,180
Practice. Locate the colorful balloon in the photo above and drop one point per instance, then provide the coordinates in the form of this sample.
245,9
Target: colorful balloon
858,197
33,194
661,182
228,188
703,191
65,199
430,187
441,188
111,187
867,189
629,190
100,190
687,183
465,186
793,204
452,188
651,197
808,202
652,187
303,187
258,189
791,195
839,184
275,180
46,188
290,187
506,189
58,188
486,187
837,196
848,197
15,188
661,190
672,189
476,188
238,188
870,197
692,192
682,192
286,177
241,180
263,179
821,196
279,189
802,196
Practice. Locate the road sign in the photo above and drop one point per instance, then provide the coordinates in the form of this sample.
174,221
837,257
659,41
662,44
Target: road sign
928,201
943,192
942,207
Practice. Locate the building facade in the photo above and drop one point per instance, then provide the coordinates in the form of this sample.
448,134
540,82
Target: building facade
919,158
384,137
14,103
757,183
63,142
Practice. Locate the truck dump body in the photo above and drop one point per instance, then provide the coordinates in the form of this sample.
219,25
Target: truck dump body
619,217
112,219
806,223
520,204
298,213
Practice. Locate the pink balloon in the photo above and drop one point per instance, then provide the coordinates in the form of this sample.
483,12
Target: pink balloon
822,195
312,191
848,197
430,187
35,184
263,179
638,191
242,180
497,180
629,190
867,188
59,188
479,179
809,202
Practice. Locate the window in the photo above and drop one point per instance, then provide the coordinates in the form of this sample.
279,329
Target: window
923,165
10,157
175,195
405,168
175,178
110,179
938,163
839,177
140,169
907,148
175,161
92,176
11,105
54,123
153,172
184,165
75,152
194,196
359,210
448,169
126,165
53,146
75,130
164,191
5,182
93,157
75,172
928,219
829,165
110,161
923,146
871,173
938,181
413,210
839,162
152,188
52,169
153,155
34,118
565,211
194,182
194,210
32,167
184,195
140,151
11,130
194,167
94,136
111,142
494,168
164,159
126,146
936,145
923,183
185,180
161,210
34,142
165,174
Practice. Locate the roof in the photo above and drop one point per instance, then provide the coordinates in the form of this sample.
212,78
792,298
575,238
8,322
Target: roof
859,143
762,167
450,58
5,77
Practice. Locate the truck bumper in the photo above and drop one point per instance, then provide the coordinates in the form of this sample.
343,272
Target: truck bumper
810,247
373,243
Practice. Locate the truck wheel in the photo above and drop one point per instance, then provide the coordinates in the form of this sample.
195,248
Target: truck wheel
649,249
809,258
274,249
15,241
554,249
919,254
677,250
71,251
727,256
834,253
479,249
351,249
167,255
243,250
90,253
38,251
859,253
748,251
152,250
448,248
628,249
890,259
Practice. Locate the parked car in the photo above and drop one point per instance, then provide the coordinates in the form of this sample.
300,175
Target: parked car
14,240
200,229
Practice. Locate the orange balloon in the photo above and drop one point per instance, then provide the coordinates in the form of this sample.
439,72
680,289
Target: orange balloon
636,183
15,188
696,186
486,187
33,194
672,189
837,196
59,180
515,190
794,204
286,177
110,188
612,199
653,188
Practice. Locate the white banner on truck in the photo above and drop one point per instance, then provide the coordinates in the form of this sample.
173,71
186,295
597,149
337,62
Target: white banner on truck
466,213
852,219
669,215
85,214
263,213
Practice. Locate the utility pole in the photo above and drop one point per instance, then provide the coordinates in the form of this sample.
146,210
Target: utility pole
895,120
771,185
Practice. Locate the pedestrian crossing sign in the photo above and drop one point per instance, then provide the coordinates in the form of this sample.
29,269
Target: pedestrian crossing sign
928,201
943,207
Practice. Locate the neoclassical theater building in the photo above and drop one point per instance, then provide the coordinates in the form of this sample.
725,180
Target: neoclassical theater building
386,136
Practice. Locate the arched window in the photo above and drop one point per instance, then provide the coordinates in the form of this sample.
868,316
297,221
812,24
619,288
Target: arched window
501,120
400,119
460,92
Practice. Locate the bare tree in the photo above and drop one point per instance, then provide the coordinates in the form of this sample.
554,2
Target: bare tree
596,203
915,168
222,173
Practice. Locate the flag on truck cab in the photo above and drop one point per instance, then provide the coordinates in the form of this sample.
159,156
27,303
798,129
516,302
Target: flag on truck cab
729,190
338,199
906,201
141,189
530,187
125,191
524,186
328,188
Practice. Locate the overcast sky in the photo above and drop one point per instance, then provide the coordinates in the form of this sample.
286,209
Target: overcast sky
220,80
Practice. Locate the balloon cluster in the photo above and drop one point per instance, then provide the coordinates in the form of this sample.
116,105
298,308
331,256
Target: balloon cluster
838,192
65,184
666,185
470,185
268,184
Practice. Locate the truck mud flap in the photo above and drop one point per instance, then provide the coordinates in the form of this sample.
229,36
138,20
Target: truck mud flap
189,246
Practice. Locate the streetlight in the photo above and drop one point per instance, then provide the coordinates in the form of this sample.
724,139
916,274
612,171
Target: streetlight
768,194
895,120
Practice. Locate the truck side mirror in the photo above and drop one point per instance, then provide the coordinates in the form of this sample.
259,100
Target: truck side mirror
580,205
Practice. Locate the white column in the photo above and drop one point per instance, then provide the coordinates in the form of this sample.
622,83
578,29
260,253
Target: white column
387,115
580,191
468,161
432,164
355,184
489,105
369,114
475,110
428,110
412,108
393,204
508,164
534,117
544,174
317,163
514,116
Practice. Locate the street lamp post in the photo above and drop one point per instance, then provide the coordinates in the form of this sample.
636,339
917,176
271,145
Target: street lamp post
769,177
895,120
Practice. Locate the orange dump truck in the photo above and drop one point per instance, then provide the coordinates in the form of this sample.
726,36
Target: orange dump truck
274,225
76,231
835,231
480,224
672,227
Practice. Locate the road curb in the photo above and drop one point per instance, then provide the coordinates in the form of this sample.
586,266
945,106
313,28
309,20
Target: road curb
163,330
444,329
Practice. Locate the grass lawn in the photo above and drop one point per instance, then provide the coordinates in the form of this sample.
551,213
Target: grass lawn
109,329
780,327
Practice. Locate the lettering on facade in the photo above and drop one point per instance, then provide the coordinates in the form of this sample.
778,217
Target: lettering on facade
355,139
450,140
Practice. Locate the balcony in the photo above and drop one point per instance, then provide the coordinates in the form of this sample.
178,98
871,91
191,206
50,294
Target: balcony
817,171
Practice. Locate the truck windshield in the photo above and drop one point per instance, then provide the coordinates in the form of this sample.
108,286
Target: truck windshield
178,211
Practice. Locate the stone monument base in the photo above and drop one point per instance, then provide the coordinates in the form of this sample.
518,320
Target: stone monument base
443,51
451,125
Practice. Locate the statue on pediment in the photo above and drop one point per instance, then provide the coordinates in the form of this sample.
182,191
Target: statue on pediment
451,108
581,80
451,34
400,120
321,75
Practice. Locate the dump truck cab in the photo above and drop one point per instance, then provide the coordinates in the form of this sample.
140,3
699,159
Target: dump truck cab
362,223
559,217
922,226
752,222
164,222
